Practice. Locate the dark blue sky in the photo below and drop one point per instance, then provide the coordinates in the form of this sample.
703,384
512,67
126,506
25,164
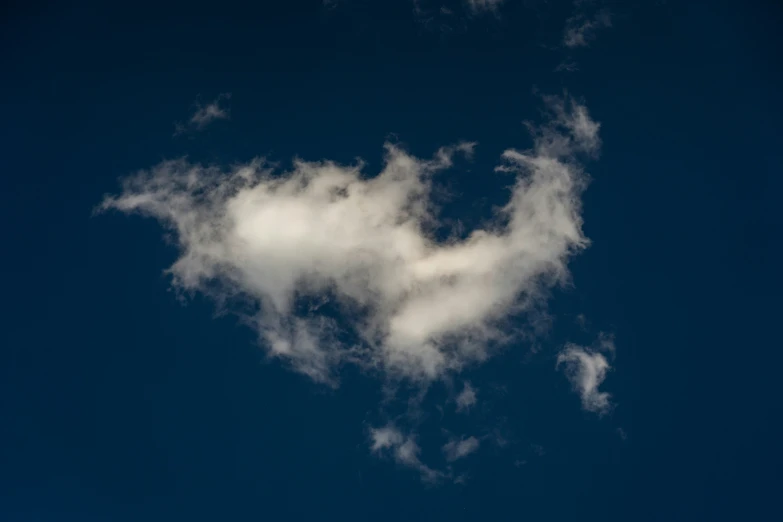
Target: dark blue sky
121,403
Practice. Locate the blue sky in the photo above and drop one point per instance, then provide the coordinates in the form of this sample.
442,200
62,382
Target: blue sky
217,311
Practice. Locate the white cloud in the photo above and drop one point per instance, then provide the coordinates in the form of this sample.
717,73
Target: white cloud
403,448
580,29
474,6
483,5
586,369
205,114
605,343
457,449
466,398
409,306
390,441
385,437
567,66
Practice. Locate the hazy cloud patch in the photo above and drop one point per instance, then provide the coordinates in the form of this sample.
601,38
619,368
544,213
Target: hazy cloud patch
586,369
456,449
205,115
581,29
478,6
467,398
389,440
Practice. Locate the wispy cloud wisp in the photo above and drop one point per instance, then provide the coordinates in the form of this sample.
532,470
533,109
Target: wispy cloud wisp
205,114
586,369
